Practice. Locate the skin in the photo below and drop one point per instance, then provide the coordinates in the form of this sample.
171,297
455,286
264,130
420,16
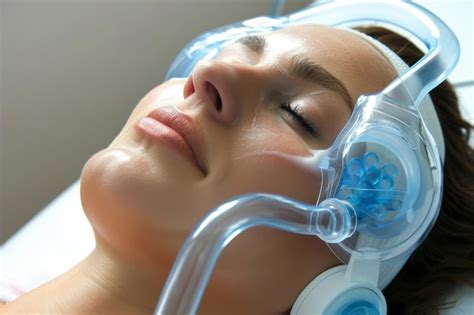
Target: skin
143,197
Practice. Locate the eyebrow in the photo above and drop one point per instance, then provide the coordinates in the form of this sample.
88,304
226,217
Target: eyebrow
303,68
254,43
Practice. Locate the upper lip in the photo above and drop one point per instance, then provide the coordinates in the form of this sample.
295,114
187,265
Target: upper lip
184,125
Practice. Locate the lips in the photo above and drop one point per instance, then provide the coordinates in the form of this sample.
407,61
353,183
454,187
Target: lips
183,125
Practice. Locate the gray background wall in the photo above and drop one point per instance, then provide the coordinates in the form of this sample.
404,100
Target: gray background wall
71,73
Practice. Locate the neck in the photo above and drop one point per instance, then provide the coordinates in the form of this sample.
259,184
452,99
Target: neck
104,282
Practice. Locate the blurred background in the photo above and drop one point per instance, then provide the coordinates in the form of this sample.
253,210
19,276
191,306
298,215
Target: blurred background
73,70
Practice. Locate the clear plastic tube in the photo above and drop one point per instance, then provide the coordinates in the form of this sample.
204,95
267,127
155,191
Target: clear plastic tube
332,221
427,73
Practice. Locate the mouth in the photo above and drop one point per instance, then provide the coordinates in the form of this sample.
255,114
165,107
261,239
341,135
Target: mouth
176,129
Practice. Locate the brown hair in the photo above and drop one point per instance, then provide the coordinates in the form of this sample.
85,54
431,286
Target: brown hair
446,257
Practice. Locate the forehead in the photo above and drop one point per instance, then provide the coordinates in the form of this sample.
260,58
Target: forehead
344,54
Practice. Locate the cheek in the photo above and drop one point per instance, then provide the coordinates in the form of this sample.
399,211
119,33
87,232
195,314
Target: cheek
262,260
271,174
268,158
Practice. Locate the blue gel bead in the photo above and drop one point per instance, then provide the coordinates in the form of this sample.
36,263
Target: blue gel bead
350,182
377,210
385,183
372,174
394,205
370,159
389,170
365,189
354,201
355,167
372,199
360,215
344,192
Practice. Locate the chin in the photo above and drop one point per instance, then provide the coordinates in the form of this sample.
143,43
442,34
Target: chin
132,203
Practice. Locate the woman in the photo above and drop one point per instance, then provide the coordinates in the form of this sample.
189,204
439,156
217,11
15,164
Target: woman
143,196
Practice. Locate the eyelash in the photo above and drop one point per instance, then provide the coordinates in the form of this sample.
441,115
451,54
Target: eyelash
296,113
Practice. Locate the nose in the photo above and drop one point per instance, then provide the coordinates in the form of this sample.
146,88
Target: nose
224,87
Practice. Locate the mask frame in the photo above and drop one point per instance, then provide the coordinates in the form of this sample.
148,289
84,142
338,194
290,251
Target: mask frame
390,124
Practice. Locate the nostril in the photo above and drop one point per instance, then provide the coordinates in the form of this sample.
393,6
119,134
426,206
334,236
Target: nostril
214,95
218,102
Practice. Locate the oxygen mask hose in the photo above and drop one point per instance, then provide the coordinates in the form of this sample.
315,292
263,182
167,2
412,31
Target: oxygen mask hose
332,221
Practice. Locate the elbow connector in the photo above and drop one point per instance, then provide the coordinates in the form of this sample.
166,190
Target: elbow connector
334,220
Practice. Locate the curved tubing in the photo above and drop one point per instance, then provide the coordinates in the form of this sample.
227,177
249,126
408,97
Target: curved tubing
190,274
427,73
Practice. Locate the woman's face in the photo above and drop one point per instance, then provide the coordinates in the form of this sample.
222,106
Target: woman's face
144,192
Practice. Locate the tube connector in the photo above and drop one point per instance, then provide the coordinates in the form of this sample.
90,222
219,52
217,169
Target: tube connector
334,220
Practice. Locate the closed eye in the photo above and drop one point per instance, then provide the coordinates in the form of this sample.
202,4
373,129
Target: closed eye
296,114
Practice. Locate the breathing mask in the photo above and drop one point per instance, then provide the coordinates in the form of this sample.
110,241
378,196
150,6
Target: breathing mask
381,180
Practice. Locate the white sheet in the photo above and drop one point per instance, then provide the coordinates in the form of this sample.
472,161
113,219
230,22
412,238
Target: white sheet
52,242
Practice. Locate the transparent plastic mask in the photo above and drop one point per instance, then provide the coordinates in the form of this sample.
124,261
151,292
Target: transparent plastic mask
391,174
381,180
